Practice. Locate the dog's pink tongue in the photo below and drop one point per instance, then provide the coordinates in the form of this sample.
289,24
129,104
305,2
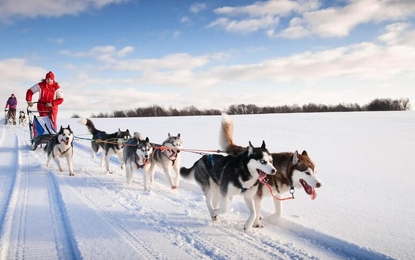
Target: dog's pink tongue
262,176
313,193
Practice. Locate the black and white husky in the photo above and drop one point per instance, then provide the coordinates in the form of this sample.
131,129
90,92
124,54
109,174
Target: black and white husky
167,156
110,144
222,177
59,146
22,118
294,171
137,153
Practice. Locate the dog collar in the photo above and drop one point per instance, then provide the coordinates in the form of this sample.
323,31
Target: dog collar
243,189
63,151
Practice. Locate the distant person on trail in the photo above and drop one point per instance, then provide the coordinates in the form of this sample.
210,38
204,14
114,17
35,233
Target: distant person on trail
50,96
11,104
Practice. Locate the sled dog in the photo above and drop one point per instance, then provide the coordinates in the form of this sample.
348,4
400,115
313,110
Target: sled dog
22,118
167,156
110,144
222,177
137,153
59,146
294,170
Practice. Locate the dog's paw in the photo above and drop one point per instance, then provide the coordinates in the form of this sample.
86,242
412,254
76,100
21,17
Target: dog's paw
61,169
214,218
71,174
247,229
274,217
174,187
259,225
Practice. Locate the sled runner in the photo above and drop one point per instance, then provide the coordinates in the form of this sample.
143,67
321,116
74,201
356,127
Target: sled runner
40,127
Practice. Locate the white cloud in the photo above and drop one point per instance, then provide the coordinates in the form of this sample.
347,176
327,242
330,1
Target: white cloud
247,25
308,20
104,53
260,15
338,22
197,7
398,34
49,8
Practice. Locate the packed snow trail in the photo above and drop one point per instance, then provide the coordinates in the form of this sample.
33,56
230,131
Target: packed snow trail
46,214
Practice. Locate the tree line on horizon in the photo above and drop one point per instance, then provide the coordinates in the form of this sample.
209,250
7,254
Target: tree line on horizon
383,104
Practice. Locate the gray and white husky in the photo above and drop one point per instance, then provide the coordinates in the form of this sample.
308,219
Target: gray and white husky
110,144
222,177
61,146
137,154
294,170
167,156
22,118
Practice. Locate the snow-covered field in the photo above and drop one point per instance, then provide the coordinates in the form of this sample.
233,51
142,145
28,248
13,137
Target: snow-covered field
365,208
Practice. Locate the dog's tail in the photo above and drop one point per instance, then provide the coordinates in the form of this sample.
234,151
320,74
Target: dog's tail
138,137
89,124
226,142
188,173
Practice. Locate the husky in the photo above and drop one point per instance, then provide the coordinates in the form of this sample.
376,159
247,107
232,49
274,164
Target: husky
294,171
137,153
222,177
166,156
61,145
110,144
22,118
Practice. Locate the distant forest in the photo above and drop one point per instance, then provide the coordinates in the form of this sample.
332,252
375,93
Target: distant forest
385,104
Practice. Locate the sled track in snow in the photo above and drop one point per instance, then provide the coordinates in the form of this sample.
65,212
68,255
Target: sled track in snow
18,240
66,243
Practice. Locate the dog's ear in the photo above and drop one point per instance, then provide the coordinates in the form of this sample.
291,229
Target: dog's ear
250,148
169,135
178,135
263,146
147,140
69,127
295,157
304,153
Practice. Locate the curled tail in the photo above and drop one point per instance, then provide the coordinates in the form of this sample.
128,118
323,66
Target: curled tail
226,142
226,132
89,124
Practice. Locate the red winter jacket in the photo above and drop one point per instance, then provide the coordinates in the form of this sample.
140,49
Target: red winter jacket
48,93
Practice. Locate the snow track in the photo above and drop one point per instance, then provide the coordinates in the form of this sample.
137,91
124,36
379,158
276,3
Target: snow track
45,214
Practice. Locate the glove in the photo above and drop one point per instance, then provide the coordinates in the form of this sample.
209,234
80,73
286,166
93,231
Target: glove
48,104
30,103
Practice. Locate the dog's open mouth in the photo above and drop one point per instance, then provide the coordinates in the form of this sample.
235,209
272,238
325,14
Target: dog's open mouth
308,189
65,141
145,161
261,174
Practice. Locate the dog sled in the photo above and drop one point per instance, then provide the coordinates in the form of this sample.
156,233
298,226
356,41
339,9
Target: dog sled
41,128
9,118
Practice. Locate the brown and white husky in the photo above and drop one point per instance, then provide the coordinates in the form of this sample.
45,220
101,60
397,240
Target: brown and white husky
294,171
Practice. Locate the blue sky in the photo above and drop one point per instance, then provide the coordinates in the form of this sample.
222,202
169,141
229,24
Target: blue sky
118,54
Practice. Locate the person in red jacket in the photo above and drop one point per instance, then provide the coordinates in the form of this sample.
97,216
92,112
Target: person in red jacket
50,96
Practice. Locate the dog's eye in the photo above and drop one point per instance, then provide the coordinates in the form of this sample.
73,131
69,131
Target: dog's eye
263,161
308,173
